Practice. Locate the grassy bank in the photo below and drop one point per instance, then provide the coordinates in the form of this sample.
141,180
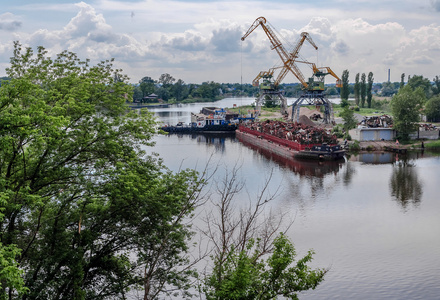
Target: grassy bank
432,144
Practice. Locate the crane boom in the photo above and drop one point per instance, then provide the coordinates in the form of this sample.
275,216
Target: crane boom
290,65
287,58
276,43
319,72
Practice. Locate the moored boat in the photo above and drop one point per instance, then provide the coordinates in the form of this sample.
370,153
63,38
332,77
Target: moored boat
210,119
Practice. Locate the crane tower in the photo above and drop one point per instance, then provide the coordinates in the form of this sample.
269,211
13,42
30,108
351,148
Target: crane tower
313,88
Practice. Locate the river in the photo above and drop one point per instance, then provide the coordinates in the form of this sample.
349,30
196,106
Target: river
373,220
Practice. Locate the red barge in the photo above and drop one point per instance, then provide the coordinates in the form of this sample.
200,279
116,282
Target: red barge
290,143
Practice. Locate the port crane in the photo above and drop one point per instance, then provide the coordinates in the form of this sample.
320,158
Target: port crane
313,88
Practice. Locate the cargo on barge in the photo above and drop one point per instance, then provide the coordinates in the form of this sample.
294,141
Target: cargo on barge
292,140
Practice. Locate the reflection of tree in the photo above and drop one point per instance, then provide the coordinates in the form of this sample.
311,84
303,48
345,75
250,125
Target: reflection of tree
404,184
349,171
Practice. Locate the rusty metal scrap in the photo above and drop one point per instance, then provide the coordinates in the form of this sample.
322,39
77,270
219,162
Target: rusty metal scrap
428,127
384,121
296,132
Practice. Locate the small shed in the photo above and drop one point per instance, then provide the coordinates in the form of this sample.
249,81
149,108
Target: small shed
373,134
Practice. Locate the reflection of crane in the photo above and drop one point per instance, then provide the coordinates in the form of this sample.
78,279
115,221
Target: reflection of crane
269,89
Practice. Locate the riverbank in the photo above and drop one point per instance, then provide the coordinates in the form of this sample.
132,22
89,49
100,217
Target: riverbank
387,145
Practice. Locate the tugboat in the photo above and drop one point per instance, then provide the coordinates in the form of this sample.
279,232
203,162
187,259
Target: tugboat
210,119
322,152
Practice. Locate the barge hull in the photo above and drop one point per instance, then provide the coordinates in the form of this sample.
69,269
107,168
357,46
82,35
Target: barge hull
285,151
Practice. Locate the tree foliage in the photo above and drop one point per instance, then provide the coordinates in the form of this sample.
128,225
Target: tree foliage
357,90
246,275
369,89
402,80
170,90
436,86
432,109
406,107
389,89
251,259
345,90
349,120
418,81
91,214
363,89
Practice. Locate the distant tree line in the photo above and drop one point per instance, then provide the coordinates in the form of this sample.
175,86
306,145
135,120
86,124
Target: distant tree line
168,89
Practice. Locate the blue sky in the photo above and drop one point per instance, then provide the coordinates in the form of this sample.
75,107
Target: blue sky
199,41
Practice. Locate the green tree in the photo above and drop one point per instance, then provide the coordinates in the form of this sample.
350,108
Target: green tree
432,109
436,86
402,80
406,108
331,91
163,93
389,88
208,90
166,80
251,259
363,89
179,90
349,120
92,215
345,90
357,89
369,89
417,81
246,275
11,281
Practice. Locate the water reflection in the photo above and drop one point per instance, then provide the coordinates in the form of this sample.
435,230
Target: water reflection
348,174
216,140
405,186
308,168
373,157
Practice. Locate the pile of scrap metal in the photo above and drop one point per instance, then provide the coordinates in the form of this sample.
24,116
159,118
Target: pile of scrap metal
427,127
384,121
296,132
315,117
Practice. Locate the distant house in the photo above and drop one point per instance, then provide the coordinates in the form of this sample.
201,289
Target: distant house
150,98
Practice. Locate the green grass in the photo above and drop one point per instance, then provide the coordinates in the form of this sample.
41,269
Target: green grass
364,111
432,144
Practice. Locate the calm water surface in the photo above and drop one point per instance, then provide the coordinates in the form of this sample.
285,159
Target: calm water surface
374,219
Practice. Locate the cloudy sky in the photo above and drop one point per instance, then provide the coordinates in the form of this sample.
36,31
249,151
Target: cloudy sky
197,41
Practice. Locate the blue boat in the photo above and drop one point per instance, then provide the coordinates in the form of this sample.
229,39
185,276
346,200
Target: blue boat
210,119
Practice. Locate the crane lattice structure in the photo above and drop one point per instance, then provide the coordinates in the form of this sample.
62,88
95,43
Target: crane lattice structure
313,89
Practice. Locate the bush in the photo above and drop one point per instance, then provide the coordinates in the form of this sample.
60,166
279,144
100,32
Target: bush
355,146
347,136
344,103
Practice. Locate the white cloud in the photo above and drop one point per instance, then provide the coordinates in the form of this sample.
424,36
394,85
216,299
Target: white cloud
197,39
9,22
87,21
